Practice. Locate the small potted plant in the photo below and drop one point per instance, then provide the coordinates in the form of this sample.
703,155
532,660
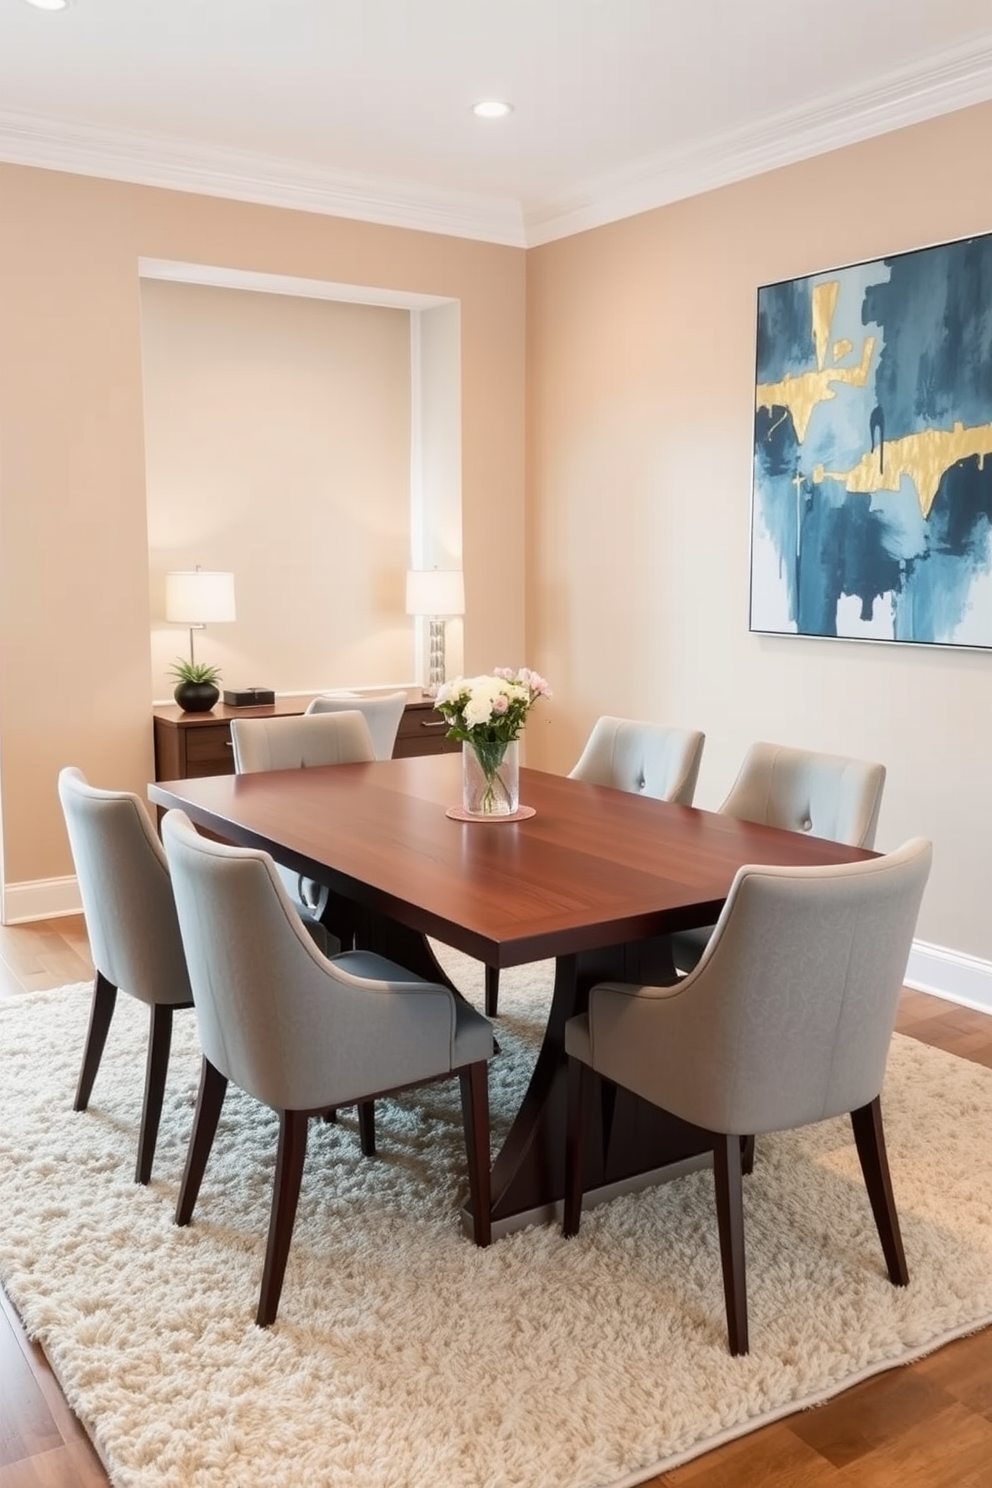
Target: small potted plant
196,688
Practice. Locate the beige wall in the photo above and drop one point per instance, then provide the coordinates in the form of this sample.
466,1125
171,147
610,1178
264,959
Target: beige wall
640,401
277,446
75,669
640,369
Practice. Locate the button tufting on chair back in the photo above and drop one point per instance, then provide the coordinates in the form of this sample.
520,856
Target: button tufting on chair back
643,758
829,795
800,790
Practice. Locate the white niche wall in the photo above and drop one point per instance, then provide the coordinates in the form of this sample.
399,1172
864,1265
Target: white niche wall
306,437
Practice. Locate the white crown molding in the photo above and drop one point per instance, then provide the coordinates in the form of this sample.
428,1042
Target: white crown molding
147,160
949,81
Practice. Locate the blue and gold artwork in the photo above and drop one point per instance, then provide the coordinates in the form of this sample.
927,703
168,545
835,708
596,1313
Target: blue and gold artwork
872,506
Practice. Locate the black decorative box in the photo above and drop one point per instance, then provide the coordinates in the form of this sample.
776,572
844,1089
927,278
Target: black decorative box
249,697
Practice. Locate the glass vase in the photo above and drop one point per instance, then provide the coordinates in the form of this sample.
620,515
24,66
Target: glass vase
490,778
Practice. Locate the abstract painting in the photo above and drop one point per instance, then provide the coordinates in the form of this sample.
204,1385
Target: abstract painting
872,499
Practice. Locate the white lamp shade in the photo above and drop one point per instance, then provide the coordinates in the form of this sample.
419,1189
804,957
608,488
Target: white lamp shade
198,596
435,591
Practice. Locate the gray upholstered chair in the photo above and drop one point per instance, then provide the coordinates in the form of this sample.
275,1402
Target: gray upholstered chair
297,742
382,714
302,1032
827,795
133,933
300,740
643,758
786,1021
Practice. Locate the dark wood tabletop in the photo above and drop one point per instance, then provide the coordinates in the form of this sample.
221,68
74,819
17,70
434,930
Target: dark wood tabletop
593,867
597,879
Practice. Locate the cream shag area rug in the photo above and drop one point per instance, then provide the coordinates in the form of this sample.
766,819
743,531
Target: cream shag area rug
403,1357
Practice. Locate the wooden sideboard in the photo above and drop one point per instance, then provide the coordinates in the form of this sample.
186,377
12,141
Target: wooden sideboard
189,745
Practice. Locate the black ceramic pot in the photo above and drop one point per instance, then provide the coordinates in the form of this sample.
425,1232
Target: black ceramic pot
196,697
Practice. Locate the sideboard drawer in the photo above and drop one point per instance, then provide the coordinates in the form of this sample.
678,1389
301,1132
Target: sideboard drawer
208,750
422,731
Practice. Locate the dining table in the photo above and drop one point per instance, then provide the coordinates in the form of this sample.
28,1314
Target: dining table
596,879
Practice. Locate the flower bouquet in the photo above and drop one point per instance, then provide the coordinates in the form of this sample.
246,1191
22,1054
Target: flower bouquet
486,714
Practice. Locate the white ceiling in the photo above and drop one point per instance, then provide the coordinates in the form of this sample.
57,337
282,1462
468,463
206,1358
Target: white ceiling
362,108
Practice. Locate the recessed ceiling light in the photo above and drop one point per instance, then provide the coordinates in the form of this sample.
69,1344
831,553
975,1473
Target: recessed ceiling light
492,108
49,4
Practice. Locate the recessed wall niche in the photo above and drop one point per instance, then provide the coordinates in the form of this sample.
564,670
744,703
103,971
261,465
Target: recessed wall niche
310,444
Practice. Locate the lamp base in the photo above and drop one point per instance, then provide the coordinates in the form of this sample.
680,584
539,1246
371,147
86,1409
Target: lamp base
435,657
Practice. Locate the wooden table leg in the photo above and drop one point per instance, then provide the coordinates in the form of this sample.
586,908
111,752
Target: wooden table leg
625,1137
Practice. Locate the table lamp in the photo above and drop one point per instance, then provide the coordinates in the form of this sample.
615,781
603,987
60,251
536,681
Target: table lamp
435,593
197,596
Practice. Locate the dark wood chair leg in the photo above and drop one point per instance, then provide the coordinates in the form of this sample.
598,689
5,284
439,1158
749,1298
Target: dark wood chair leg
474,1083
492,991
285,1196
730,1221
747,1155
870,1140
101,1012
366,1127
156,1069
578,1082
210,1099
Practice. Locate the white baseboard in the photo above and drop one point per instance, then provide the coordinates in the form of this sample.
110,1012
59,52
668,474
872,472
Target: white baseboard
951,975
948,974
40,899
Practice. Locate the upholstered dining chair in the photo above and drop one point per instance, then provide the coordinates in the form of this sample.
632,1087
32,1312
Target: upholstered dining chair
801,790
302,1032
382,714
133,932
786,1021
296,742
642,758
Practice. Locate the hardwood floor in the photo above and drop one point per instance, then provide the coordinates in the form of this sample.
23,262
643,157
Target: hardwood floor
928,1425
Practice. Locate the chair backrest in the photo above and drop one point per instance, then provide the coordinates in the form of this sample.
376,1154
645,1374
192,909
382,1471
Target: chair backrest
788,1016
298,741
273,1014
127,897
643,758
827,795
382,714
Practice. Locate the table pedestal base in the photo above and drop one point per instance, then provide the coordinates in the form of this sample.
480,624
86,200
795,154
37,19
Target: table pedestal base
629,1143
551,1212
626,1136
